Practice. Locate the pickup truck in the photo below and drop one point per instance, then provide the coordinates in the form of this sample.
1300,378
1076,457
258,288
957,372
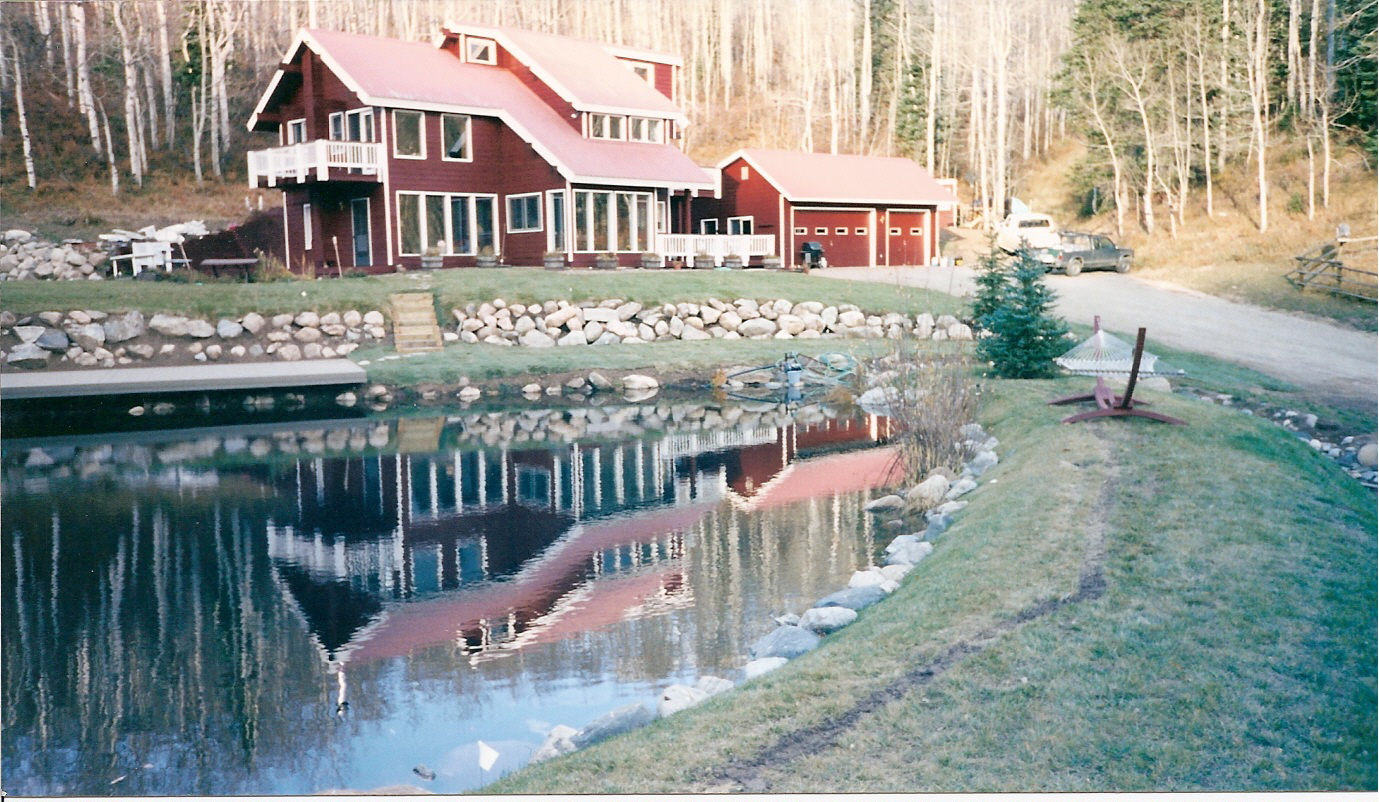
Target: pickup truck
1026,230
1077,251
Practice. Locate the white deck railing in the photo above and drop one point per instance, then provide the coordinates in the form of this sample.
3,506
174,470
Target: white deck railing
687,246
300,161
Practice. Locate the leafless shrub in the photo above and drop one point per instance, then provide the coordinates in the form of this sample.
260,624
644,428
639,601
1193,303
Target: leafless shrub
932,395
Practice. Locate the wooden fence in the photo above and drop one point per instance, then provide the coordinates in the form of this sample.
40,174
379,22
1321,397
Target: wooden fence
1344,267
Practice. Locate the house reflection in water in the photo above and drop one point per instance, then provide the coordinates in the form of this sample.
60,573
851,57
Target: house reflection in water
490,550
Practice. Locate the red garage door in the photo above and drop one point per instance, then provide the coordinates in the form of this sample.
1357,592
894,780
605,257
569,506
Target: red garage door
845,234
905,242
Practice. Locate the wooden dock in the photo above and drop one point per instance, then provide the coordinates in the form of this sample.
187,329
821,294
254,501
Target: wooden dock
181,379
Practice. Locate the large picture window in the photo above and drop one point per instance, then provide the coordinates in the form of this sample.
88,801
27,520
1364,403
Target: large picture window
455,137
460,224
612,221
408,139
524,212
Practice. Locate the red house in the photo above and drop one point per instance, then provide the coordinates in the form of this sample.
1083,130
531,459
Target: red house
486,140
864,210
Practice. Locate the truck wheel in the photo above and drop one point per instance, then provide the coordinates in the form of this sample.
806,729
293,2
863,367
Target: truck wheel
1074,267
1123,266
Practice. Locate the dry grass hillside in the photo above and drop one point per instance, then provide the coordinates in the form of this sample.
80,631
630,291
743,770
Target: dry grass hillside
1226,255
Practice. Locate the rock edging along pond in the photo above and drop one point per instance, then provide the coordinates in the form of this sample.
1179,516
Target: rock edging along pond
84,338
936,499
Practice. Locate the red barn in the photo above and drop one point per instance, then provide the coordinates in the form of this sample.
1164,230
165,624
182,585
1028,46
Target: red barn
487,139
864,210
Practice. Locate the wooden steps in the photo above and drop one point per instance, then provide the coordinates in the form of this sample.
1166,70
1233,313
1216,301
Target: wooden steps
414,322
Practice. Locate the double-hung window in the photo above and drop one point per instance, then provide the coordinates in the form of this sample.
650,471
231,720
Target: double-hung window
606,126
740,225
296,131
409,140
524,212
644,129
455,130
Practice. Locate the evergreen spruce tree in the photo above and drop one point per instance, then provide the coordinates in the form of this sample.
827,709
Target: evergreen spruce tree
1013,308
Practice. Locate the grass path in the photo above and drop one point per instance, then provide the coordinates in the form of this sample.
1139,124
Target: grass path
1128,607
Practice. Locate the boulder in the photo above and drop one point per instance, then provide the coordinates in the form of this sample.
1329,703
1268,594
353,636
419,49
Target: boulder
757,327
54,340
866,579
307,319
373,317
851,319
169,325
27,355
599,381
928,492
536,339
636,381
228,329
713,685
824,620
853,598
897,572
961,487
28,334
938,524
983,462
289,352
885,504
879,400
949,508
307,335
90,336
677,698
124,327
557,743
765,665
575,337
624,719
909,552
1368,455
784,641
200,329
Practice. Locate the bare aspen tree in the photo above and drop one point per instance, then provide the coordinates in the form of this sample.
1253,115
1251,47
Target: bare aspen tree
932,93
110,153
1133,66
64,21
26,141
165,74
1257,78
865,77
86,101
1199,53
45,29
131,83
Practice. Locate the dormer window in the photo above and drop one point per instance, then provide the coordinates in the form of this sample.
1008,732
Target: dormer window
644,129
481,51
606,126
643,70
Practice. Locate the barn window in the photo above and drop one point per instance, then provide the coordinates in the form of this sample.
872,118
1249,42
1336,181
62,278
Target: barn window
821,231
745,173
915,232
455,137
841,230
740,225
524,212
801,231
860,231
895,232
481,51
408,141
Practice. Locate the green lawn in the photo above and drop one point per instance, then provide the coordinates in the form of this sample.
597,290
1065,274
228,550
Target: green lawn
1224,638
457,287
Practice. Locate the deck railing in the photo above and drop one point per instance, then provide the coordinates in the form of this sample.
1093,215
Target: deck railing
313,160
687,246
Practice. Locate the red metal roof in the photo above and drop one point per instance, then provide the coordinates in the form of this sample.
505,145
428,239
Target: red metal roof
582,71
418,75
838,178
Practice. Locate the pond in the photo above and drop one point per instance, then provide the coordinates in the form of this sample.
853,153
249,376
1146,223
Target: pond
289,607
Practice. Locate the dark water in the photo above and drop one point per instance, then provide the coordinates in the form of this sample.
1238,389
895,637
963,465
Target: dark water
288,608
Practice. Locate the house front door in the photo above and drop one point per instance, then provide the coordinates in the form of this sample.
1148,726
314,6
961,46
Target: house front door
359,214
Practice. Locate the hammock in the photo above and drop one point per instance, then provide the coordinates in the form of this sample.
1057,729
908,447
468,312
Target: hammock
1104,354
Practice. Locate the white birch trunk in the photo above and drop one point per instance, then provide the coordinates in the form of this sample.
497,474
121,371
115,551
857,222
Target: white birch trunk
165,75
932,96
86,101
131,85
29,171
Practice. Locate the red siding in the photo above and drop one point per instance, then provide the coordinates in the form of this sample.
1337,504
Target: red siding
665,80
904,248
752,196
841,250
540,89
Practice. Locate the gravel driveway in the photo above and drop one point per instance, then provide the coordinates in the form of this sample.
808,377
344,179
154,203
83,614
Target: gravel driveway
1329,362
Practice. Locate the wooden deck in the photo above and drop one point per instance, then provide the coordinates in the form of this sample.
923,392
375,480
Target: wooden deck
181,379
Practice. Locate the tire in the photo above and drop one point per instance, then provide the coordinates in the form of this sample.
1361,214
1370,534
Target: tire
1123,265
1074,267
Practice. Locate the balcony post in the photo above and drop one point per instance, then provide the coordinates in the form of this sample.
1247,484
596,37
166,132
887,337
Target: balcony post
322,148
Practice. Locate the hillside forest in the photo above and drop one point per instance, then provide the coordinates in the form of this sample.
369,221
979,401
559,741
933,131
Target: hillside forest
1166,96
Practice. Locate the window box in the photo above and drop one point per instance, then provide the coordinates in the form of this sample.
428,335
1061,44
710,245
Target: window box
606,261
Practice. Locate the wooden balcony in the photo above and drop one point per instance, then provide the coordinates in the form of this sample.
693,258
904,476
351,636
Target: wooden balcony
687,246
321,160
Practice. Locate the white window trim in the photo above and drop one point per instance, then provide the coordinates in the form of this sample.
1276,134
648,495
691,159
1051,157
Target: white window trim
745,173
622,128
895,232
645,230
916,232
468,139
448,234
801,231
860,231
821,231
549,213
840,231
308,236
704,224
650,76
646,122
287,131
337,123
540,217
738,220
471,41
365,113
368,234
422,133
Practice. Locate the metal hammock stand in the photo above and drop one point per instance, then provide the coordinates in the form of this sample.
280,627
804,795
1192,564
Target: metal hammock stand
1103,355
